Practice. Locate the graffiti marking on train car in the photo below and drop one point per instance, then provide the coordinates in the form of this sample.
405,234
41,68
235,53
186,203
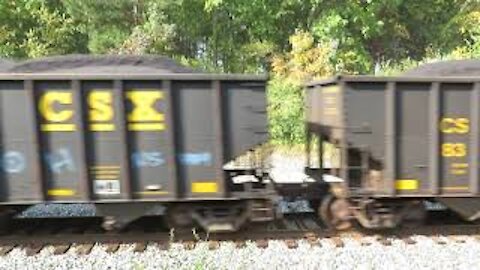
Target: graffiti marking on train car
13,162
196,159
60,161
147,159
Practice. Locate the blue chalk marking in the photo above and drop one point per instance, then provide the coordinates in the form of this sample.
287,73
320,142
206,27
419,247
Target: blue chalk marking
13,162
60,161
147,159
196,159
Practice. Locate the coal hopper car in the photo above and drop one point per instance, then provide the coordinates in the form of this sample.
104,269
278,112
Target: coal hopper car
401,141
129,134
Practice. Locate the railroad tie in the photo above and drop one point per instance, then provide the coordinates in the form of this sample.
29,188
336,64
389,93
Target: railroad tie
163,245
364,242
457,239
314,242
476,237
310,235
291,243
212,245
84,249
33,249
312,239
409,241
240,244
60,249
262,243
361,239
385,241
112,247
439,240
338,242
140,247
4,250
189,245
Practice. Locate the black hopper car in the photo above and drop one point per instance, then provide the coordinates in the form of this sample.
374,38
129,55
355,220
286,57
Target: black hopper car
131,133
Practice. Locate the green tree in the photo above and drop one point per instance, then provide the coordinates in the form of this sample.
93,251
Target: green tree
106,23
368,33
32,28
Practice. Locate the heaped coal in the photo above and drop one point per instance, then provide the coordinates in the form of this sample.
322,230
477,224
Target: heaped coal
469,68
82,64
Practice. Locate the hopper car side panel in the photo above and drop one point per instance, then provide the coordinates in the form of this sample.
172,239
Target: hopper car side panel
406,137
108,139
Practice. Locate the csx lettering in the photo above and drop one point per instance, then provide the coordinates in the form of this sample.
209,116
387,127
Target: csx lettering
143,110
56,119
144,116
454,150
100,103
48,100
455,125
56,110
101,110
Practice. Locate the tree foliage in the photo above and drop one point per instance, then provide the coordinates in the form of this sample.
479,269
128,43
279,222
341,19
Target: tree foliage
241,35
32,28
294,40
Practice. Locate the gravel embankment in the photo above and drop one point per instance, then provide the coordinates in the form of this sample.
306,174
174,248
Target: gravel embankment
426,254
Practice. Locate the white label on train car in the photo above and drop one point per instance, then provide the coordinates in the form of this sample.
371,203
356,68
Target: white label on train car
107,187
332,179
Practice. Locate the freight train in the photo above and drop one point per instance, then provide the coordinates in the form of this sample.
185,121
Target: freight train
132,133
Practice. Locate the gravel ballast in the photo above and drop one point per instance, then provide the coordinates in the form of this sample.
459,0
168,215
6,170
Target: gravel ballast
426,254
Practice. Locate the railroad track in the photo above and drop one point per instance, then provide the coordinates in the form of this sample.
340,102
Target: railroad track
83,234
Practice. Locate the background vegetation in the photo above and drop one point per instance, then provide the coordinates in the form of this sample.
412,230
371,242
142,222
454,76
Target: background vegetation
294,40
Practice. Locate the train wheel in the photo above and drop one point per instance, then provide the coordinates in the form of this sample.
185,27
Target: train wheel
335,213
